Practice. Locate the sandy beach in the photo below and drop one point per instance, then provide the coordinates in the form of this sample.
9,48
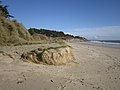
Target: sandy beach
95,68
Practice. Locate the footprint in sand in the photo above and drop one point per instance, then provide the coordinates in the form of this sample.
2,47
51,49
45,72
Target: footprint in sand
61,86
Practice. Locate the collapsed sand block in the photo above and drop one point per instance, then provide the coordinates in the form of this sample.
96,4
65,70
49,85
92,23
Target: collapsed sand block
51,56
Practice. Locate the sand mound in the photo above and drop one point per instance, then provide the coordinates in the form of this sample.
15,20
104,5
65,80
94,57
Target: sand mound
51,56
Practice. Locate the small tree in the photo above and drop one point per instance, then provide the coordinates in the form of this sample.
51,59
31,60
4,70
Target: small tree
4,11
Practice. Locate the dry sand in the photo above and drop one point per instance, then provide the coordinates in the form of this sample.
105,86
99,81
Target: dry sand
97,68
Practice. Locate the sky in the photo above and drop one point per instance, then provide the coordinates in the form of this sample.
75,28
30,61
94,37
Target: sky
92,19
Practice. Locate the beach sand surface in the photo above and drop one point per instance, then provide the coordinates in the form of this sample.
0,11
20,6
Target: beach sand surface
95,68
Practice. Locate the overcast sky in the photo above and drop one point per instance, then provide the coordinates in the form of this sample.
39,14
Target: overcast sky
93,19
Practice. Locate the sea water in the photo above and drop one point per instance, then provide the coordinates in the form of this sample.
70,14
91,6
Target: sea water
108,43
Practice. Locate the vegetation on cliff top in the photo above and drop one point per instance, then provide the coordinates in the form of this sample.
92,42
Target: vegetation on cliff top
54,34
12,32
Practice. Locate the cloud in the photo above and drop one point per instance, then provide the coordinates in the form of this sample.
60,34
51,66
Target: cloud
108,32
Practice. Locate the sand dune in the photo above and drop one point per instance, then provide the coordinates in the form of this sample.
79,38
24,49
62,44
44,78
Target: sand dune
96,68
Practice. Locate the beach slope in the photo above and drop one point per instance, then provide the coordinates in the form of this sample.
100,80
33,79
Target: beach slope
95,68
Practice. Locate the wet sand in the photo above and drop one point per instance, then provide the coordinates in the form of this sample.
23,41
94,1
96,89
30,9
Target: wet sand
96,68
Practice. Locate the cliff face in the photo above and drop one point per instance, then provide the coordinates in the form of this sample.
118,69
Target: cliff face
12,32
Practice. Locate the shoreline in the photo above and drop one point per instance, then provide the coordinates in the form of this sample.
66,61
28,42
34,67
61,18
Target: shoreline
106,44
101,44
97,68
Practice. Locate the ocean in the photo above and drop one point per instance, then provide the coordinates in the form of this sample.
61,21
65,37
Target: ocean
107,43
